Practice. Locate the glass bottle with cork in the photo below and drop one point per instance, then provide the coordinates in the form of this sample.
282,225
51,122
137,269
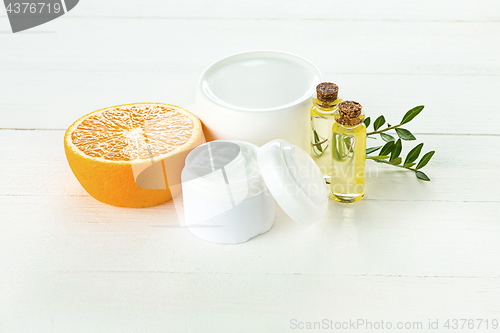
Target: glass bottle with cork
325,102
347,183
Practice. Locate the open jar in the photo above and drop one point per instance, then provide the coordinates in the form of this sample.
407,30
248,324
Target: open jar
257,96
229,187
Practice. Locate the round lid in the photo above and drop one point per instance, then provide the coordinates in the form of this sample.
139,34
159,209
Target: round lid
295,181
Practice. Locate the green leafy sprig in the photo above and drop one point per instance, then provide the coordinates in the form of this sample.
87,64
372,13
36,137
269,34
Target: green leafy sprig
390,152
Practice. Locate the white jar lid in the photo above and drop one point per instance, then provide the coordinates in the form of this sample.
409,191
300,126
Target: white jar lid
294,180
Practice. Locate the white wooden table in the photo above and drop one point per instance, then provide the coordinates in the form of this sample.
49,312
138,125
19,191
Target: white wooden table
411,251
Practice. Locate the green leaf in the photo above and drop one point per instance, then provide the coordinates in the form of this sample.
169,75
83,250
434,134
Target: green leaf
372,149
377,157
367,122
396,161
408,165
387,148
425,159
421,175
397,150
379,122
387,137
316,140
411,114
413,154
405,134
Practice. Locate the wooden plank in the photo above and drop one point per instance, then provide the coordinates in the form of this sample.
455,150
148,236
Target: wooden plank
59,101
443,10
79,301
443,48
463,169
373,238
56,102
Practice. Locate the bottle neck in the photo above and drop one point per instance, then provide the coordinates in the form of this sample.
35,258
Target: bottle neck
349,123
325,108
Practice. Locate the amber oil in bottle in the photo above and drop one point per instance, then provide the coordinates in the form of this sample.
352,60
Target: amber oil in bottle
348,153
325,102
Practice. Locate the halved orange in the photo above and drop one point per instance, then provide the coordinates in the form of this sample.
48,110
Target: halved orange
131,155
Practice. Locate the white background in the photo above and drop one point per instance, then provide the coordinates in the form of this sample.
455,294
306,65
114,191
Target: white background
409,251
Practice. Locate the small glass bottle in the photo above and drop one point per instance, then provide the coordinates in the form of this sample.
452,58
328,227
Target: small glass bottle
348,153
325,102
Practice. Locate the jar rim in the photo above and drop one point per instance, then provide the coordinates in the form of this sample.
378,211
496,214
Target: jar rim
269,54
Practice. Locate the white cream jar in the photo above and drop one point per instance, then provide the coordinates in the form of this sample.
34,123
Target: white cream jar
257,97
225,197
229,187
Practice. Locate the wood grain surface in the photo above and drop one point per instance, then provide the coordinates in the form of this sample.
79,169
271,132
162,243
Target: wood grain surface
411,251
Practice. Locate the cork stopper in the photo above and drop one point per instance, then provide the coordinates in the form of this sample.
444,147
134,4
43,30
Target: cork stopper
327,92
349,113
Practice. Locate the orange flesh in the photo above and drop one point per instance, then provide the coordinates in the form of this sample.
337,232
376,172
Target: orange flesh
131,132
